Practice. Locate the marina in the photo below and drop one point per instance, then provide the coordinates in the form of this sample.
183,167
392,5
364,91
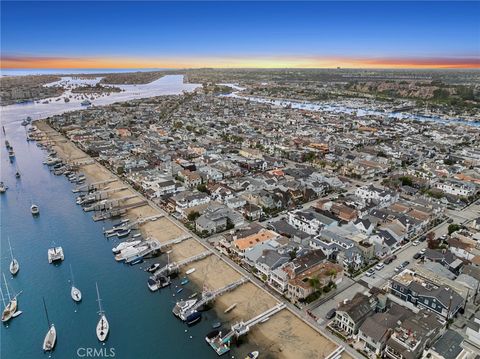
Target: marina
81,239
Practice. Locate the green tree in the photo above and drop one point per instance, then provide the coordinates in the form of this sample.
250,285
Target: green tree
192,216
453,228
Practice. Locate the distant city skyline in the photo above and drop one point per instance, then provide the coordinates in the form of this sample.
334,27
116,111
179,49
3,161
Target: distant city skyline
355,34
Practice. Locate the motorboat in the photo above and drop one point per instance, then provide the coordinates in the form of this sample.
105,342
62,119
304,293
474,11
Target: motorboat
103,327
123,233
3,187
55,254
252,355
34,209
193,317
190,271
155,283
153,267
124,245
183,306
129,252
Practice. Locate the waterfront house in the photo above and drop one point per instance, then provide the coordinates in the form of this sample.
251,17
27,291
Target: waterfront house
352,313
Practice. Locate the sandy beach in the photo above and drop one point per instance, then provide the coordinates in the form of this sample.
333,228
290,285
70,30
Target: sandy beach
282,336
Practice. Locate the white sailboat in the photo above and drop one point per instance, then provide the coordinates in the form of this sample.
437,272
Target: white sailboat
11,307
74,291
51,336
102,326
14,266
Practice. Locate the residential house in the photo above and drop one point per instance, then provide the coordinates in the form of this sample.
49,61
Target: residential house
352,313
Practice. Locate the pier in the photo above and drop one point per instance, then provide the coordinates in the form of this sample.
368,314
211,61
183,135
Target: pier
142,220
336,354
221,343
99,195
174,267
93,186
208,296
174,241
117,212
108,204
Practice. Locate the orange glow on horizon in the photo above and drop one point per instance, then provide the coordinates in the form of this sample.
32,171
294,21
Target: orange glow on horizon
37,62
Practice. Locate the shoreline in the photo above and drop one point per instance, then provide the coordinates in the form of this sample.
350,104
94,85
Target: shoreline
284,334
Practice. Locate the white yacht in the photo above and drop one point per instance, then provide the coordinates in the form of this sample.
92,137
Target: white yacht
55,254
51,336
129,252
14,266
124,245
34,209
183,306
102,326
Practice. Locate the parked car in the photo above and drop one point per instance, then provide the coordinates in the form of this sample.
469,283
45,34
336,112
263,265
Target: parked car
422,238
370,272
379,266
406,263
417,255
415,243
450,220
388,260
331,313
423,251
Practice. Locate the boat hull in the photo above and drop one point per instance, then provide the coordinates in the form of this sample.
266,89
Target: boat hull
103,328
50,339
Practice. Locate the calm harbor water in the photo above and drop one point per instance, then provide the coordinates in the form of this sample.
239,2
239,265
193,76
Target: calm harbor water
142,325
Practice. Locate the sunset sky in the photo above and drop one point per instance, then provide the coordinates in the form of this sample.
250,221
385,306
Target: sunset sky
151,34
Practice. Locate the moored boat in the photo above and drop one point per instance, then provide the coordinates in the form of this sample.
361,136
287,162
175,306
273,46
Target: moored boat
14,266
103,327
124,245
155,283
252,355
55,254
51,336
3,187
34,209
190,271
75,293
12,305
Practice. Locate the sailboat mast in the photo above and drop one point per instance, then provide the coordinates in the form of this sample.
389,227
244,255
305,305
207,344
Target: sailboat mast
10,245
3,298
6,286
99,300
46,312
71,273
